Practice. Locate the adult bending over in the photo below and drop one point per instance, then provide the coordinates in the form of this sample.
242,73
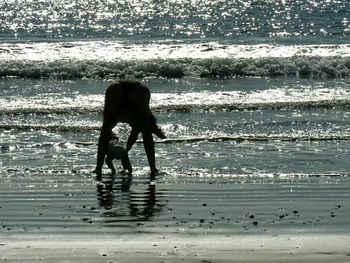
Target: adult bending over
128,102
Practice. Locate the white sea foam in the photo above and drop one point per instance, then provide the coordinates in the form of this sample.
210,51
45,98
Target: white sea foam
204,100
114,50
96,59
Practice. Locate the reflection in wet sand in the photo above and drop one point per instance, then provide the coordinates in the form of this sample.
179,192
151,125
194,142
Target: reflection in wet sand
120,201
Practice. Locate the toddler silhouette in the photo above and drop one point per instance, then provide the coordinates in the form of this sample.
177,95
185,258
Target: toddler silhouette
117,151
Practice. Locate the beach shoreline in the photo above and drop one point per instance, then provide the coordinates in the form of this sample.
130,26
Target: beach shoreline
176,248
52,219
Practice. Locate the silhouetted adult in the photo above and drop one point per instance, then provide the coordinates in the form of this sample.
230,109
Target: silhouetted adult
128,101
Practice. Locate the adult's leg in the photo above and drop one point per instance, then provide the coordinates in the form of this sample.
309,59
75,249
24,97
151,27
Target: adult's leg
103,145
148,144
132,138
139,101
113,103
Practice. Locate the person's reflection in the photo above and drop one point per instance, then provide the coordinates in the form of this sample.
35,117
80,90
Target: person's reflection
117,200
149,207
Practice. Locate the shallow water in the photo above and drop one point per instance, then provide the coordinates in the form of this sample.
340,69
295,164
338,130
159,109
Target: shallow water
252,127
225,170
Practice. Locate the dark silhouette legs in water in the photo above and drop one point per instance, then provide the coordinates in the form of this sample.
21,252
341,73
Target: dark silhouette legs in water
128,101
125,163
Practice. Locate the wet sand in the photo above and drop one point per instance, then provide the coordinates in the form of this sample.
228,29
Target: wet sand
175,248
71,218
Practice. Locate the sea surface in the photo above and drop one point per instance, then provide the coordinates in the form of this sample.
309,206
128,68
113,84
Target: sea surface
254,97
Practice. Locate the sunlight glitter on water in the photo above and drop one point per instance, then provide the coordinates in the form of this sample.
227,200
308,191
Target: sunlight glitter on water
192,19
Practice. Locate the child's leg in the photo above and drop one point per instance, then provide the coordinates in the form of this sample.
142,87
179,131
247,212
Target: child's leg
126,164
110,164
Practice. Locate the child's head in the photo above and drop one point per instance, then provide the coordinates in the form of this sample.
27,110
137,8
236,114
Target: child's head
113,136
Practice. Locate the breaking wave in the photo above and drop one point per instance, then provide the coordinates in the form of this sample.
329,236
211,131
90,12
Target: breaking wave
49,127
178,137
109,59
319,67
278,98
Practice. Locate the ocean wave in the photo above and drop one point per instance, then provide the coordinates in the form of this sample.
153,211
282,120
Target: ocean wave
278,98
120,60
260,138
186,107
49,127
180,138
314,67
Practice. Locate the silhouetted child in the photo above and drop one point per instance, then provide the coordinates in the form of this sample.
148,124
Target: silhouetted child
117,151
